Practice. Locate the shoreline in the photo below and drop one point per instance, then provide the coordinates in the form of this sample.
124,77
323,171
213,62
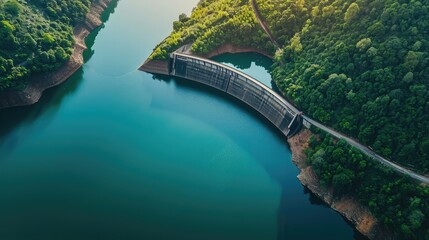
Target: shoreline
349,208
32,93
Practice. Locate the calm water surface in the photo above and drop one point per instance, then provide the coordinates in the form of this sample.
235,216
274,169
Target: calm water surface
115,153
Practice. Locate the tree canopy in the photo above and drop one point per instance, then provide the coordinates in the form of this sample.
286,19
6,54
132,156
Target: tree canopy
359,66
36,36
214,23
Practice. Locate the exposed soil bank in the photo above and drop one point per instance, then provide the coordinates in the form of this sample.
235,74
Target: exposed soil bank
356,213
229,48
39,83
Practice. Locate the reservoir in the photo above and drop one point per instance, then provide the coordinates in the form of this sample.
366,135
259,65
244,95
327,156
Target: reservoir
115,153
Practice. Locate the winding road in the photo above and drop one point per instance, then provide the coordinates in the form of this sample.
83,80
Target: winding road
339,135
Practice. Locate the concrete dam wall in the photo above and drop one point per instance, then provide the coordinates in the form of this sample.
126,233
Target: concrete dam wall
229,80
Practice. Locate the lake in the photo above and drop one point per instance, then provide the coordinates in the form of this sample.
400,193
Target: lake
115,153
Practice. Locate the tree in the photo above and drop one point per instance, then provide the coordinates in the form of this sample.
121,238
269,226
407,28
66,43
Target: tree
351,12
8,40
341,182
364,44
47,40
412,60
295,43
13,7
328,11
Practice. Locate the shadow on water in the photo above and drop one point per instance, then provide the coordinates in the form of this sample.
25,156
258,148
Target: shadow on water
285,207
90,40
274,167
13,118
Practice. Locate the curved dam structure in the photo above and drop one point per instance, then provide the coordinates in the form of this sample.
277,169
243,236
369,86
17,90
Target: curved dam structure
271,105
229,80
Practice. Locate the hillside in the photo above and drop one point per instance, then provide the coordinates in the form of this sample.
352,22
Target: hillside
361,67
36,37
212,24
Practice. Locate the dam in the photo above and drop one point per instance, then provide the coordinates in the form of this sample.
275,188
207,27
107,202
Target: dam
264,100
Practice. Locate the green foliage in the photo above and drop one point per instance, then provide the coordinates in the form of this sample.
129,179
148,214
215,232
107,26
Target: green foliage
212,24
12,7
8,39
295,43
364,44
68,11
36,37
361,67
285,18
351,12
396,201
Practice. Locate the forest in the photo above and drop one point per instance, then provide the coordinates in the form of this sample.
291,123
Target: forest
36,37
396,201
361,67
212,24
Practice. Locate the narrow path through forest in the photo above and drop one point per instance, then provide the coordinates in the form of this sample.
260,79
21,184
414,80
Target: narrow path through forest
263,24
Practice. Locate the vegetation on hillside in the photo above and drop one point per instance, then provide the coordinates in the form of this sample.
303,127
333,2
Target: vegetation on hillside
395,200
212,24
36,36
359,66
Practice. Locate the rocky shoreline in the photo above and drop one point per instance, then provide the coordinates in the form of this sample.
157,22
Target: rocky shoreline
39,83
348,207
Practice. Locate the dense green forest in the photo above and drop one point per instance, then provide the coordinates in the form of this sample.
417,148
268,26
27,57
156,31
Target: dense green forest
396,201
36,36
361,67
213,23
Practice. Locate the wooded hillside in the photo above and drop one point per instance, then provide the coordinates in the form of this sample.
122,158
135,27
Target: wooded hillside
36,36
361,67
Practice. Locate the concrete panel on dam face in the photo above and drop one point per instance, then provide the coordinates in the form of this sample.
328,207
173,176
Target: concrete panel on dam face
203,72
258,98
248,90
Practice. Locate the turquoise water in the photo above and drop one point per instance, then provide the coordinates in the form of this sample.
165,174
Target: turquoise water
115,153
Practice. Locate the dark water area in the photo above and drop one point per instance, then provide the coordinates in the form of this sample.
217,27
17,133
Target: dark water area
115,153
